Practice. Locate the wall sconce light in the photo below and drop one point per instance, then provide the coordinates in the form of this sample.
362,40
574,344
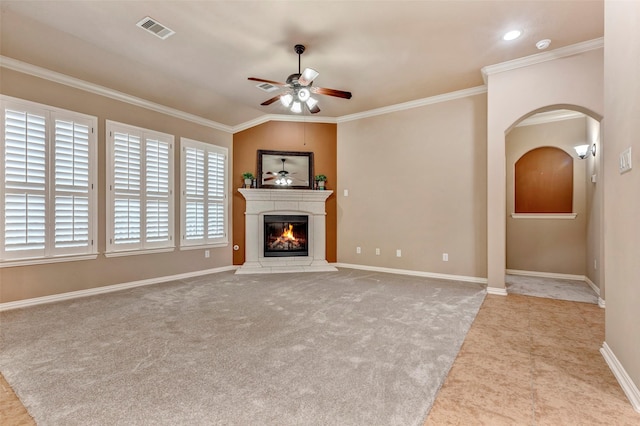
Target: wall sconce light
593,149
582,151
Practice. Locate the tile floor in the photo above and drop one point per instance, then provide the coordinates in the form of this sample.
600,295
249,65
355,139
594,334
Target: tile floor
525,361
532,361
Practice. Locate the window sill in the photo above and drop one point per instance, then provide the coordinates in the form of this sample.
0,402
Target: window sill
205,246
42,261
544,215
137,252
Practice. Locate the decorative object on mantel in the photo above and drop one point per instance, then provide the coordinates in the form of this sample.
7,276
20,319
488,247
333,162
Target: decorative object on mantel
248,179
285,169
320,180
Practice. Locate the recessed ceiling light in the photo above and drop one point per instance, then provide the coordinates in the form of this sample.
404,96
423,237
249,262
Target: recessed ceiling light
543,44
512,35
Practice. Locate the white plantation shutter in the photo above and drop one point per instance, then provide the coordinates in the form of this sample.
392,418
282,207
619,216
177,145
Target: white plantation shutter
25,182
127,184
216,195
48,163
158,191
140,177
72,184
193,166
204,201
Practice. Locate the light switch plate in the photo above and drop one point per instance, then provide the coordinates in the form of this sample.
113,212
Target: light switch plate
625,160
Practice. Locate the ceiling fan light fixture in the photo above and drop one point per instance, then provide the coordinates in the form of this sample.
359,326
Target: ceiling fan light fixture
304,94
308,75
286,99
296,107
312,102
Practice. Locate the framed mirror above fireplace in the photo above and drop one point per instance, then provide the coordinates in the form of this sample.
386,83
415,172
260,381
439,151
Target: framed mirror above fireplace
285,169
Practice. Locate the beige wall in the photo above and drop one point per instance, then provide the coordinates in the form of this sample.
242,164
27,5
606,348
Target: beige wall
622,199
416,182
572,82
548,245
25,282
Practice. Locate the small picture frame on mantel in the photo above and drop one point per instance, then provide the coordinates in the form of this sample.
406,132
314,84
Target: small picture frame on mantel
285,169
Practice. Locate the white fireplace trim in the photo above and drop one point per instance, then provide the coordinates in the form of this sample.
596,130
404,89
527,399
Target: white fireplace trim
261,202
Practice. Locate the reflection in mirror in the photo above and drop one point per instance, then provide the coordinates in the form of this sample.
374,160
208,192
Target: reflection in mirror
285,169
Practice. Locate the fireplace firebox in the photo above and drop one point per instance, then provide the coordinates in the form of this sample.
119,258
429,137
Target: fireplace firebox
286,235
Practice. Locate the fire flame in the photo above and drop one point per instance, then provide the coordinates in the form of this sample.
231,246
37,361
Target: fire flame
288,233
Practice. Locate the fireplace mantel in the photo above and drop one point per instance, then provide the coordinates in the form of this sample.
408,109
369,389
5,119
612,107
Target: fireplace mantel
284,201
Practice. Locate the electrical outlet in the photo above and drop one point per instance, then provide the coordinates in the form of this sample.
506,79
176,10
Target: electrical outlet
358,250
207,254
398,253
377,252
346,192
445,257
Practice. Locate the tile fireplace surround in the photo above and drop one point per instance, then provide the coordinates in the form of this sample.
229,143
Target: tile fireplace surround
284,202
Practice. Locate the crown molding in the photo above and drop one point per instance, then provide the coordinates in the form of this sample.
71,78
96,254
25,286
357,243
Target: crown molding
414,104
56,77
282,117
538,58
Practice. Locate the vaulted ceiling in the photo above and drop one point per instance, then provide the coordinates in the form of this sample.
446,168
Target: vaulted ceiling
384,52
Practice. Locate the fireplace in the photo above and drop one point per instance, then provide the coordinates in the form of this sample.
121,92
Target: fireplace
288,208
285,235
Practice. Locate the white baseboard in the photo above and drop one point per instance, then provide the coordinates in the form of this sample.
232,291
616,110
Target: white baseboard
601,302
546,275
413,273
108,289
497,291
630,389
592,285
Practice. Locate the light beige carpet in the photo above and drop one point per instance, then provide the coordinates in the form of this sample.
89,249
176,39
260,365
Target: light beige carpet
340,348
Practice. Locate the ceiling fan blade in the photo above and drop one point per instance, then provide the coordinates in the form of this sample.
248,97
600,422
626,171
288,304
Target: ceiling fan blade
307,76
270,101
331,92
275,83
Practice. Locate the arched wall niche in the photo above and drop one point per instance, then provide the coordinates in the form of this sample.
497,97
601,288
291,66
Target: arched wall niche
573,82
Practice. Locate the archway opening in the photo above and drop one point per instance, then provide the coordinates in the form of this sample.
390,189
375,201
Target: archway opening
557,246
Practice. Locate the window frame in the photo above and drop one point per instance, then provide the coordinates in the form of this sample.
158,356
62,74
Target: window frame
205,241
143,246
50,253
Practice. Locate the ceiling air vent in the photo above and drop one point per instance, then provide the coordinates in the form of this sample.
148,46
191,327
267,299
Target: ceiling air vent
155,28
267,87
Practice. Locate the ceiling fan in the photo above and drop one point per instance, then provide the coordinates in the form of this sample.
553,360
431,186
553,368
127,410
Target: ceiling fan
299,89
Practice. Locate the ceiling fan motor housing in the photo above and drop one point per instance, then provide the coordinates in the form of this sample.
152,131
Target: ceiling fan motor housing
293,79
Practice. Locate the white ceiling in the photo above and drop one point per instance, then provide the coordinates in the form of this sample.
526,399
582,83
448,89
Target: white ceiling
384,52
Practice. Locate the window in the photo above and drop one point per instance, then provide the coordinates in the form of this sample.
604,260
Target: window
48,164
544,181
204,194
140,190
